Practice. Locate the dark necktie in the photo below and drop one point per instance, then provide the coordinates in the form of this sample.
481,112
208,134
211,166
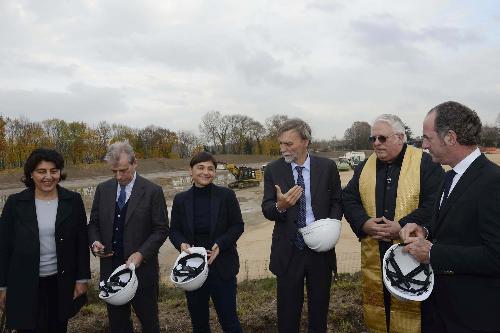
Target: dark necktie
301,220
122,198
448,180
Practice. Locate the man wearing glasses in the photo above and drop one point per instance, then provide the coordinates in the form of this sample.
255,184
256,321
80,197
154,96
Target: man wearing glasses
395,186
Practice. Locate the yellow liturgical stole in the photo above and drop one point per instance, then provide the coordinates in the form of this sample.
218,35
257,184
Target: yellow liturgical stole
405,315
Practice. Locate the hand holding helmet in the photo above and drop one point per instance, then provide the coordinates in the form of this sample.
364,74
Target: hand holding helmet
322,235
405,277
190,270
120,287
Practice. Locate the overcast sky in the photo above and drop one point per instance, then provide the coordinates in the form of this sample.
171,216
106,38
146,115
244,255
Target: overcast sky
167,63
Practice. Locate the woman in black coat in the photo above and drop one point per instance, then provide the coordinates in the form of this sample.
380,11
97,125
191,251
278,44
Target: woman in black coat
209,216
44,258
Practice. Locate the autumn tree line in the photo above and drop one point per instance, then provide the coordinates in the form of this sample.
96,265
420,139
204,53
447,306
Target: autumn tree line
220,134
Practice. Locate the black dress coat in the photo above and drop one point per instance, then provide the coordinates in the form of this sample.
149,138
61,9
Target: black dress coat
20,254
226,226
326,202
465,255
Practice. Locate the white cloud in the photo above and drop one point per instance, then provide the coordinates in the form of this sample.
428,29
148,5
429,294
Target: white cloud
167,63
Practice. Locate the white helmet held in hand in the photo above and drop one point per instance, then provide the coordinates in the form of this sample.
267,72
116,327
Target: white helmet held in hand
404,277
322,235
120,287
190,270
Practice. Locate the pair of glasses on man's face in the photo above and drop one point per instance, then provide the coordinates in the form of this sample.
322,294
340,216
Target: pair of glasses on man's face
380,138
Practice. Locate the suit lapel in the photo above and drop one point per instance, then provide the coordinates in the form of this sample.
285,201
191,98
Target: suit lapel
63,207
109,206
135,197
189,209
470,175
314,176
286,171
28,210
215,201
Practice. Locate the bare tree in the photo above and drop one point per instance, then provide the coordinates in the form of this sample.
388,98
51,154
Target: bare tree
187,144
257,132
208,127
240,132
273,123
356,136
215,128
489,136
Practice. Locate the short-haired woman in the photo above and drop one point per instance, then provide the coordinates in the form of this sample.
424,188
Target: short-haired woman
44,258
209,216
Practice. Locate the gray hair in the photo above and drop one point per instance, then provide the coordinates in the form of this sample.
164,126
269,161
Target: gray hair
394,121
116,150
456,117
298,125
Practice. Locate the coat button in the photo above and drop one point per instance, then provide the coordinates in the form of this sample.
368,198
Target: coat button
61,239
62,273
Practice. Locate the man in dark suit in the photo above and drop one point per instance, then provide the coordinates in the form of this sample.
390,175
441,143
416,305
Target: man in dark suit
299,189
463,241
128,224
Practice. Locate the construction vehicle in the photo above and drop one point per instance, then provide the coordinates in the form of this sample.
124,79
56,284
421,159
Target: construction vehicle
245,176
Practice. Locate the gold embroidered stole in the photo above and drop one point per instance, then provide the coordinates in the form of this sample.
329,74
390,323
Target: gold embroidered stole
405,315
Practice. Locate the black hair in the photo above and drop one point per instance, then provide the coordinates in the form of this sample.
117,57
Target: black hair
202,156
38,155
453,116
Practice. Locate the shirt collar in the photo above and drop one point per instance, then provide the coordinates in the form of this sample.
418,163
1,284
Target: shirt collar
461,167
130,185
306,165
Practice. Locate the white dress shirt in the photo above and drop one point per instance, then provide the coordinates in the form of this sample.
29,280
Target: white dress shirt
460,169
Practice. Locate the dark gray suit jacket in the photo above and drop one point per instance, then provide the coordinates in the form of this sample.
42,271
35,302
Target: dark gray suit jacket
465,255
325,201
146,226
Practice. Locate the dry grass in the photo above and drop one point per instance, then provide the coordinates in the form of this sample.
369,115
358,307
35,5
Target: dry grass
256,309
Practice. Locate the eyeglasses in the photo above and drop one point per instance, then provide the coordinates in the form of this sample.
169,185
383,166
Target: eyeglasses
380,138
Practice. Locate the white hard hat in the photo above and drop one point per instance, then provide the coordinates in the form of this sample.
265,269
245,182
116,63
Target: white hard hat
120,287
190,270
322,235
405,277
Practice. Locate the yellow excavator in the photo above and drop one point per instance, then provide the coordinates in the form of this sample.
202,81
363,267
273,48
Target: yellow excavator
245,176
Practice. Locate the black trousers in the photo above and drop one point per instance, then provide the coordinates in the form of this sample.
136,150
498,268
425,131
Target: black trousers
48,321
145,304
316,270
223,294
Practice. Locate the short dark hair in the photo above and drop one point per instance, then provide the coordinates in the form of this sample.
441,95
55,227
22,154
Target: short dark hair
38,155
202,156
460,119
298,125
